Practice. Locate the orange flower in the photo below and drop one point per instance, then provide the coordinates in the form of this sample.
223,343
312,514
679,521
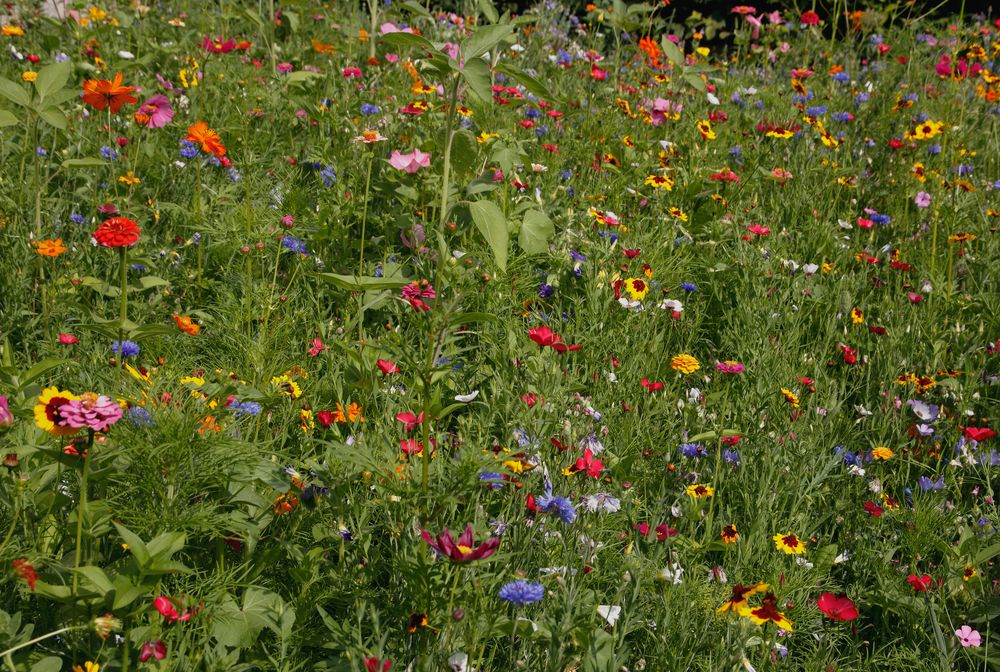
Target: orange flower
186,324
50,248
209,139
100,93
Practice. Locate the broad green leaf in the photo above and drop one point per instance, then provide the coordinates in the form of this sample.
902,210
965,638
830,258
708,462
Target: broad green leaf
41,368
401,39
477,75
15,93
293,20
696,82
127,592
136,546
300,77
148,330
355,284
492,224
530,83
48,664
484,40
489,11
7,118
54,117
166,544
670,50
536,229
416,8
52,77
149,281
464,151
95,578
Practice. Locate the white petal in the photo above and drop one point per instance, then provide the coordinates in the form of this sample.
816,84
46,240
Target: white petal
466,398
609,613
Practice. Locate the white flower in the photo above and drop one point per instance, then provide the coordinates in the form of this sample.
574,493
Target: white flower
712,98
609,613
459,662
127,55
672,575
466,398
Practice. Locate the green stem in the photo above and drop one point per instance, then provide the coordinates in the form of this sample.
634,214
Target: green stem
39,639
123,312
361,253
78,553
446,174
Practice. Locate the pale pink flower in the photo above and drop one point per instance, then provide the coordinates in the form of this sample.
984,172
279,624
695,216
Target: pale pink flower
411,162
969,637
159,111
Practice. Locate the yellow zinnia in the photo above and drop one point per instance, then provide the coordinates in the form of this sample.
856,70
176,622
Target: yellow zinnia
47,411
686,364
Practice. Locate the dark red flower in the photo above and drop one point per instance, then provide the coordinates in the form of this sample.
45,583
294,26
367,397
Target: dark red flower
978,433
117,232
464,550
372,665
873,509
809,18
387,367
663,532
837,608
544,336
155,649
921,584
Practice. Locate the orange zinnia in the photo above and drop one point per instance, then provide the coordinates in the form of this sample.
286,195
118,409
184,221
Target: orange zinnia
100,93
209,139
186,324
50,248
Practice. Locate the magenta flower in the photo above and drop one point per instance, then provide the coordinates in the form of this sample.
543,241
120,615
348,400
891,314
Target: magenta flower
661,107
411,162
90,411
463,550
159,111
969,637
6,417
154,649
421,289
923,199
730,367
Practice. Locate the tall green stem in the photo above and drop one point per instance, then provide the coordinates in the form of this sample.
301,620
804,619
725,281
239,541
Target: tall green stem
448,137
123,311
80,511
361,252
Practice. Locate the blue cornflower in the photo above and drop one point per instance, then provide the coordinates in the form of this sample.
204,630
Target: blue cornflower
196,238
295,245
532,113
251,408
876,40
736,151
77,218
492,479
963,169
921,117
189,150
735,98
934,149
545,291
926,483
731,456
140,417
541,130
691,450
759,104
689,287
41,151
566,174
560,507
108,154
842,77
577,256
522,592
563,57
842,116
329,176
881,219
817,111
368,108
127,348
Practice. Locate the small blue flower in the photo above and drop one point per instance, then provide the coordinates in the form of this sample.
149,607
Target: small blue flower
691,450
545,291
934,149
41,151
109,154
731,456
295,245
189,150
842,117
77,218
329,176
492,479
127,348
817,111
368,109
689,287
522,592
140,417
926,484
251,408
842,77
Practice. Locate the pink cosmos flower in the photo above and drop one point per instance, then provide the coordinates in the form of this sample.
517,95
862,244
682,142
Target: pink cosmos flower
923,199
969,637
754,21
387,27
6,417
90,411
662,107
410,421
411,162
159,111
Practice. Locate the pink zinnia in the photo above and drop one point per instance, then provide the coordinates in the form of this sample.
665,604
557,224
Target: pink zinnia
418,289
90,411
729,366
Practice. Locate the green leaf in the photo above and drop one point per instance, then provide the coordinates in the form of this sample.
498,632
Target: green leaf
530,83
484,40
126,592
464,151
149,281
300,77
52,77
696,82
477,75
356,284
88,162
43,367
48,664
489,11
7,118
416,8
54,117
136,546
149,330
14,93
166,544
672,52
536,229
293,20
95,579
402,39
492,224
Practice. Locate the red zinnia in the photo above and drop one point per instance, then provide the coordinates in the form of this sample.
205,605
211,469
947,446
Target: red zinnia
837,608
920,583
809,18
117,232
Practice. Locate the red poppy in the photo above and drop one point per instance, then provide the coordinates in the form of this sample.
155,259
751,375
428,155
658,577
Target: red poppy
978,433
544,336
652,387
26,571
873,509
632,253
68,339
589,464
837,608
921,584
325,418
387,367
117,232
809,18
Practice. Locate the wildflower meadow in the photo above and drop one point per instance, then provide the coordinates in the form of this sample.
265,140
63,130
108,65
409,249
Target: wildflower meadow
421,336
